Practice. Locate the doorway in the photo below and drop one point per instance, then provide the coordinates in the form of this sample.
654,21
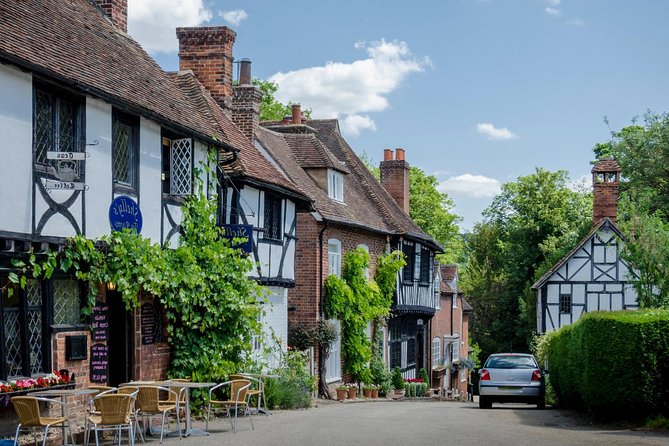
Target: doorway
121,340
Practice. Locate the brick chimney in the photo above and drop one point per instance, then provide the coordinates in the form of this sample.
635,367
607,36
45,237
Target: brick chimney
207,52
395,176
606,186
117,11
246,100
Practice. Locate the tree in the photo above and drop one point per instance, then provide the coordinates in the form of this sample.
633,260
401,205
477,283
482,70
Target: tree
531,224
270,108
643,155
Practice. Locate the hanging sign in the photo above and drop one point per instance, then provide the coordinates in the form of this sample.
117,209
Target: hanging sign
231,232
151,324
124,213
64,185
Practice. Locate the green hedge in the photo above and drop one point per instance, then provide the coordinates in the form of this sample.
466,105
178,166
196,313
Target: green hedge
613,364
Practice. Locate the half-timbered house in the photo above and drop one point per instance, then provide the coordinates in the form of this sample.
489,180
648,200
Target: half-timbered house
351,210
592,276
255,196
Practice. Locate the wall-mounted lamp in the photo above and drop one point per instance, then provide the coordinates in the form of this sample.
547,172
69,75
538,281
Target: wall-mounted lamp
111,286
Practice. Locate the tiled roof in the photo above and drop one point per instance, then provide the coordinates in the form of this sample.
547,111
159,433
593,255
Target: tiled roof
445,288
312,153
72,42
250,162
366,203
466,306
606,165
448,272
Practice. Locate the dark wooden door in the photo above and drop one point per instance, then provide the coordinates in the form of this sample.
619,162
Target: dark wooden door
121,345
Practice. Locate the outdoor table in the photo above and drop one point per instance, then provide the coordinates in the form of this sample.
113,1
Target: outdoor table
190,430
260,377
64,394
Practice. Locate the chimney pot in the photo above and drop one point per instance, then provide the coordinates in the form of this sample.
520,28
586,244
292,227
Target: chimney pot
395,177
387,154
399,154
245,72
297,114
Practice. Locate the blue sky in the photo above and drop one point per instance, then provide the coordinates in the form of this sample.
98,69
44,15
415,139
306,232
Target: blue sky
478,92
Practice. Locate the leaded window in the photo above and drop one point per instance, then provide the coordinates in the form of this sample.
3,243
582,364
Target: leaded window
56,128
125,150
273,226
177,172
565,304
66,302
425,266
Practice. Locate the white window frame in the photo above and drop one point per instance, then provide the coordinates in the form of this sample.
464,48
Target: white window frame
335,185
333,361
334,257
436,351
456,348
454,299
447,350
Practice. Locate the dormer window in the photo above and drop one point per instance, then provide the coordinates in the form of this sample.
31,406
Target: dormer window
335,185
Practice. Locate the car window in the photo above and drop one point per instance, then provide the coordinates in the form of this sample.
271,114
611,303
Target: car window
510,362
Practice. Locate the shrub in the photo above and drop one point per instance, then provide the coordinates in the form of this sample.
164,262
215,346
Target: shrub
293,388
381,376
398,381
613,364
423,374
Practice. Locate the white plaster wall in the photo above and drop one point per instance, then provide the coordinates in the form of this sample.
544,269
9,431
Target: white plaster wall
252,204
98,167
150,183
275,322
16,166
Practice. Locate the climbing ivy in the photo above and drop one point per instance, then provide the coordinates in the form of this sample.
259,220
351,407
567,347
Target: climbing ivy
211,303
356,300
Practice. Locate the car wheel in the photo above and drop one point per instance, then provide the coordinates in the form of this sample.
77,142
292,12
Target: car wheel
484,402
541,402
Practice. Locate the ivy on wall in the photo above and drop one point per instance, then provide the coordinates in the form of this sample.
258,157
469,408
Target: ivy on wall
355,300
212,305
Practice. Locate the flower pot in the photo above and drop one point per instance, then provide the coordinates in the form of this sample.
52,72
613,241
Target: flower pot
352,392
375,393
367,393
341,394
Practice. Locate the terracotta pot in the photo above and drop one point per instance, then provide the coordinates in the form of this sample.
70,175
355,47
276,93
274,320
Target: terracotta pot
375,393
367,393
341,394
352,392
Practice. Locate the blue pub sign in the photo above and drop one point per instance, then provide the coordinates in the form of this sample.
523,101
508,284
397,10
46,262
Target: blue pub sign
124,213
245,232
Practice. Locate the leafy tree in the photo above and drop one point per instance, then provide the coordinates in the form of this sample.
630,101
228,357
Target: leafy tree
270,108
642,151
532,223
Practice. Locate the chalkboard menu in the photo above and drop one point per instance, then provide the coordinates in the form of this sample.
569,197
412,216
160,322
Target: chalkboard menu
100,322
151,324
99,363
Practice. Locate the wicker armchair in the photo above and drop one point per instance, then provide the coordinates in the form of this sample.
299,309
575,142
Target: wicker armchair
257,390
237,400
131,390
149,402
115,415
27,410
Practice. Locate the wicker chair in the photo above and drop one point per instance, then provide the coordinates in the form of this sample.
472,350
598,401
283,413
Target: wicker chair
115,415
257,390
27,410
131,390
179,394
237,400
149,402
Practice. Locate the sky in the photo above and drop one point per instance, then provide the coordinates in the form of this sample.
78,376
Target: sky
478,92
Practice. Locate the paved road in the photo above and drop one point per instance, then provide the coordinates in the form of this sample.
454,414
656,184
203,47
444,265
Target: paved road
413,423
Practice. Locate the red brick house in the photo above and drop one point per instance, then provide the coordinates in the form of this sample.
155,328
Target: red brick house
449,332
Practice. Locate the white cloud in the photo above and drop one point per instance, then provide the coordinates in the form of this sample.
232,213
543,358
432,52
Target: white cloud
475,186
491,132
339,89
553,11
354,124
153,22
576,22
583,184
234,17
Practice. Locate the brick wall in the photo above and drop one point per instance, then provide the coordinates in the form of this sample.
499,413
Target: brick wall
246,109
605,201
117,11
151,361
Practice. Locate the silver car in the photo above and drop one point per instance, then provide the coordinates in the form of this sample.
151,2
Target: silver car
511,377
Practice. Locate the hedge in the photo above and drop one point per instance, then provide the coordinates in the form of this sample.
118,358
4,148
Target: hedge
613,364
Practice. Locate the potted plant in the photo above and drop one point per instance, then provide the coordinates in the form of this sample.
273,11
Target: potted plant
398,381
367,391
352,391
375,392
342,391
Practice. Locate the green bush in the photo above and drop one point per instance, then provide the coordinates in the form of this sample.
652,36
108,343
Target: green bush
410,389
613,364
421,389
381,376
293,388
398,380
423,374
